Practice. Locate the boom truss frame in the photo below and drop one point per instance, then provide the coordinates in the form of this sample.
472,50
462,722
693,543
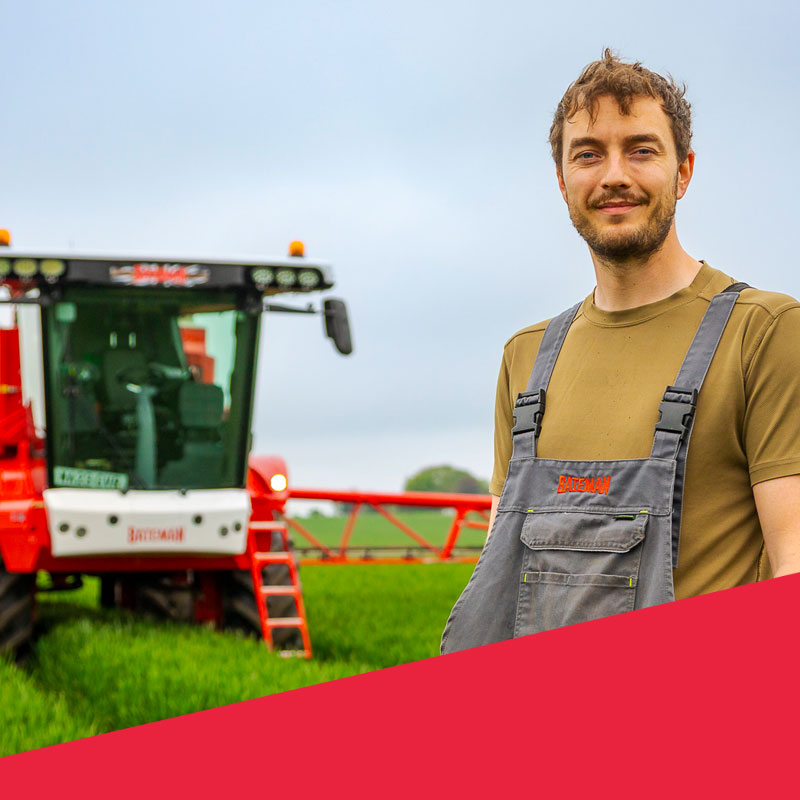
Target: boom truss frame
419,551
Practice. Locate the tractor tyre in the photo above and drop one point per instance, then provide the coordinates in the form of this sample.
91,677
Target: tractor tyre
17,603
240,612
162,596
108,591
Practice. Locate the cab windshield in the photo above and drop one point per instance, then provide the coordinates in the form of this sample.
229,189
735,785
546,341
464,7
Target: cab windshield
148,389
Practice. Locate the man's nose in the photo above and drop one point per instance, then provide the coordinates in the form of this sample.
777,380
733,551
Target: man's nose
616,172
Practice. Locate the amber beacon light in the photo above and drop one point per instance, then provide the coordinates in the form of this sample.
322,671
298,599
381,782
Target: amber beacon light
297,249
5,238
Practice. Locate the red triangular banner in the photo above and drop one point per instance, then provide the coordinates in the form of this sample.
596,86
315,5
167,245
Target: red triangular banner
693,699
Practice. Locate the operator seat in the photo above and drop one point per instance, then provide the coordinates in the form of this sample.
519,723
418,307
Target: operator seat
200,407
80,412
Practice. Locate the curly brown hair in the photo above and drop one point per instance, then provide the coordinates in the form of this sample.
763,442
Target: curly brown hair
624,82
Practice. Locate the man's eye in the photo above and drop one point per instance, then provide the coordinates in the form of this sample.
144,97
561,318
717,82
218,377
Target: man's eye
643,151
586,156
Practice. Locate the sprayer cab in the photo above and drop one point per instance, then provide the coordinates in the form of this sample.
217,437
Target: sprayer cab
147,366
126,394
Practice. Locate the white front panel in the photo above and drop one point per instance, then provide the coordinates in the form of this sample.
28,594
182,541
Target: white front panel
87,522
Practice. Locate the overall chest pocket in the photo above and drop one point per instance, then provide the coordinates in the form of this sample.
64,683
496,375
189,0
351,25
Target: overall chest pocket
576,567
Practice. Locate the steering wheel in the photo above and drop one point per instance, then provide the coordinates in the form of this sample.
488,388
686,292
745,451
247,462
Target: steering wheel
165,372
151,376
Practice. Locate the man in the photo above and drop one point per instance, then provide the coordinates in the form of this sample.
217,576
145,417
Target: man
568,542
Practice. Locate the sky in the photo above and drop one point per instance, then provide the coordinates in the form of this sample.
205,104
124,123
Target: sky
404,143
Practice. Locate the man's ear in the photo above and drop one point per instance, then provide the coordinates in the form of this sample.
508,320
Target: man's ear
562,185
685,171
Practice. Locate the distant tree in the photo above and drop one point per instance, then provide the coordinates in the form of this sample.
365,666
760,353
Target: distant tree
445,478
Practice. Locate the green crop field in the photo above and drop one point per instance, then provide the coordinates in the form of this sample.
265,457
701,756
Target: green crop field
94,670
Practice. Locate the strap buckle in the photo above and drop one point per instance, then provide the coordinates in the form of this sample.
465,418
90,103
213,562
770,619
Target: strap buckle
528,412
675,416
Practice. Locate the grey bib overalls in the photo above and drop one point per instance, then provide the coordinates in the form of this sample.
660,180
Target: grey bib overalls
578,540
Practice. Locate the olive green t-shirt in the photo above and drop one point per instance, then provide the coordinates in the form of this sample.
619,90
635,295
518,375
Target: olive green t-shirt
603,398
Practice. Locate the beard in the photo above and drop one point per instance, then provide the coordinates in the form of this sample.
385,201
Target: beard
626,243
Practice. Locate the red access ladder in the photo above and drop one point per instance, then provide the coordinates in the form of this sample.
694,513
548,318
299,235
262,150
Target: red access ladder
281,555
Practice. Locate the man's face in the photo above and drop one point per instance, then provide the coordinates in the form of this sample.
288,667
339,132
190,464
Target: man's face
621,179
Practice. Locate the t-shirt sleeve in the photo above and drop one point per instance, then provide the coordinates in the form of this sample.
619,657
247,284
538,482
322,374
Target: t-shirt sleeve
772,388
503,422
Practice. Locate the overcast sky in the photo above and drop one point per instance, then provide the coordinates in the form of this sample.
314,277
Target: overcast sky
406,143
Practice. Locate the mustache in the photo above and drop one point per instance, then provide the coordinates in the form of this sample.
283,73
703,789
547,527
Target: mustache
619,197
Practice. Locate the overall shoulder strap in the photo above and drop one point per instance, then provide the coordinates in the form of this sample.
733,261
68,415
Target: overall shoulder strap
677,408
530,404
676,411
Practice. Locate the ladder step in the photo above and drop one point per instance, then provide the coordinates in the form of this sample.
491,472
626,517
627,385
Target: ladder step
267,525
260,559
275,590
275,557
285,622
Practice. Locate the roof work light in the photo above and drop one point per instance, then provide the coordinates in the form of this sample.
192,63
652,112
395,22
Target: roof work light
285,277
52,267
24,267
263,276
309,278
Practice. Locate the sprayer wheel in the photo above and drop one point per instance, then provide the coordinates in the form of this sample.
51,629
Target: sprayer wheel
17,593
162,596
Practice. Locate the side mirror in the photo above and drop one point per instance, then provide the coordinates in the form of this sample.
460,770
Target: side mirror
337,326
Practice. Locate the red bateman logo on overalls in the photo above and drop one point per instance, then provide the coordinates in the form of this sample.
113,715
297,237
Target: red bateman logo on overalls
598,485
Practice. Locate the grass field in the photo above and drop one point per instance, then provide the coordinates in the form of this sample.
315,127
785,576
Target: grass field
94,670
